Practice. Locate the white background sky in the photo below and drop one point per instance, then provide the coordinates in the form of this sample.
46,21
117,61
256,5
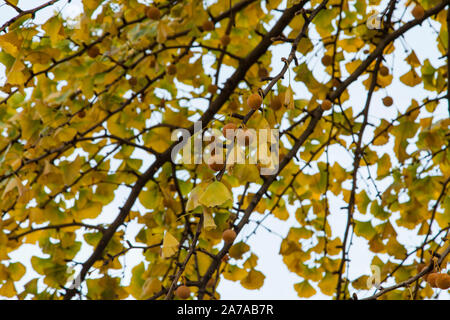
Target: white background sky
279,281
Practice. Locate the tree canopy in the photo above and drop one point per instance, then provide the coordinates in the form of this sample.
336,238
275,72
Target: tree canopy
89,107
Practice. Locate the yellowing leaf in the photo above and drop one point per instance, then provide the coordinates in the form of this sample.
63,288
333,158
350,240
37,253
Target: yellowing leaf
254,280
238,249
193,202
7,289
65,134
411,78
150,287
16,271
215,194
304,289
15,75
170,245
11,43
289,98
234,273
208,220
328,284
412,59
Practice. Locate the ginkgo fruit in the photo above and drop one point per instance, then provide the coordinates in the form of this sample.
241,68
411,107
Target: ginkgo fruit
229,130
443,281
172,187
82,114
153,13
327,60
225,40
275,103
418,12
208,25
388,101
233,105
93,52
183,292
384,71
172,69
133,81
212,88
254,101
335,82
326,105
431,279
216,162
229,235
263,73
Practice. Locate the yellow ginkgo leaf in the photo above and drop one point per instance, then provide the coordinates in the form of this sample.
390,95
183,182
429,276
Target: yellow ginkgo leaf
170,245
208,220
192,202
254,280
289,98
411,78
304,289
151,286
215,194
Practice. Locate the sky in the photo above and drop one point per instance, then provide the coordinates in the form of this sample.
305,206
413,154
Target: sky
265,244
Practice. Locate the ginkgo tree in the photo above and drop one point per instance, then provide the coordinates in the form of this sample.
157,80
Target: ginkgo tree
89,108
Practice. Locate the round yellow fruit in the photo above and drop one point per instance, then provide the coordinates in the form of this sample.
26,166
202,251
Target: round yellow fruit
93,52
275,103
233,105
384,71
254,101
326,105
228,130
418,12
172,69
443,281
335,83
431,279
327,60
387,101
229,235
183,292
212,88
133,81
152,13
208,25
263,73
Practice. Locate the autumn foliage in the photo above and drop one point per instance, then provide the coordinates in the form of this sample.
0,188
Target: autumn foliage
88,107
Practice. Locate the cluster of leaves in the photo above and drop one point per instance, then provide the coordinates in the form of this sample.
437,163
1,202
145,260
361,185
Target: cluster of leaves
89,106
